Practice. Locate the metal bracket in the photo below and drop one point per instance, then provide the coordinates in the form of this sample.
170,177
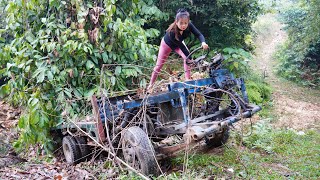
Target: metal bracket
183,93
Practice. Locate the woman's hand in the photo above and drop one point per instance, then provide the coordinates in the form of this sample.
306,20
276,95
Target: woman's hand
204,45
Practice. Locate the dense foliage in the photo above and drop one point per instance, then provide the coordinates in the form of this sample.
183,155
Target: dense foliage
300,56
3,39
224,23
57,52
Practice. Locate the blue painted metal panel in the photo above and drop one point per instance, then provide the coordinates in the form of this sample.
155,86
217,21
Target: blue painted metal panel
177,94
243,90
222,77
154,99
191,85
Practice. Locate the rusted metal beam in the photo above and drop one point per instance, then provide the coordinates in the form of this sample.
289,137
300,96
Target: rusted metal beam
167,150
95,109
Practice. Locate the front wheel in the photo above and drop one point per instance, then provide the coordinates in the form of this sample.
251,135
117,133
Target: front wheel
138,151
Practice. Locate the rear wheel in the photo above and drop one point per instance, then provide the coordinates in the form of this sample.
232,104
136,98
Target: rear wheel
83,147
138,151
70,150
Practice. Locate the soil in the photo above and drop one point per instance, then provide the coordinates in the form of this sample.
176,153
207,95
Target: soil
8,121
294,107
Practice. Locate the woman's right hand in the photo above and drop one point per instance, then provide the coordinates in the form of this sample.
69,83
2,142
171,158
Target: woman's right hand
204,45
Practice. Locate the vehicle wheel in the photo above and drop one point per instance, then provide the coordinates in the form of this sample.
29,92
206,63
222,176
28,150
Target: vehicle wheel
138,151
219,140
83,147
70,150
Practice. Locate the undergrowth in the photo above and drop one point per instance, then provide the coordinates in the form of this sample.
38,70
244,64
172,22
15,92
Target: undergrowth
299,56
268,153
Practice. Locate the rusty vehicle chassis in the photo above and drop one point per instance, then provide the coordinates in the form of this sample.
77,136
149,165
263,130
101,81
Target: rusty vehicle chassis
175,98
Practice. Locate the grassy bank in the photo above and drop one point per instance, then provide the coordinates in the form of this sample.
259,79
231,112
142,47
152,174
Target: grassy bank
267,154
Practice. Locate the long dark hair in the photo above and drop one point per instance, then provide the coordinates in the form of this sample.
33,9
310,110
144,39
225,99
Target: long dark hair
181,13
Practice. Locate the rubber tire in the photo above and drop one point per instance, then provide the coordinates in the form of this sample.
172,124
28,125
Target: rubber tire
70,150
83,147
219,140
144,153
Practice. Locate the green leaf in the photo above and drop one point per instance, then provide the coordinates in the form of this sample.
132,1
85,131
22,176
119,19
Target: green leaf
50,75
125,44
89,93
89,64
236,56
113,80
61,26
94,58
77,93
143,83
34,118
33,101
109,48
117,70
109,73
138,70
4,90
40,75
54,69
21,65
9,65
43,120
67,92
22,122
105,57
236,65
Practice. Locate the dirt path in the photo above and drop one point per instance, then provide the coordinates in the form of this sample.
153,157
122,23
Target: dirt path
294,107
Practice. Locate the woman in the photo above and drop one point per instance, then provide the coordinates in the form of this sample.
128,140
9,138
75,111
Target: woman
173,40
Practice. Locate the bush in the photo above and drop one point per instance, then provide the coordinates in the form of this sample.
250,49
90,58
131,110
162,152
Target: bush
224,23
299,57
57,52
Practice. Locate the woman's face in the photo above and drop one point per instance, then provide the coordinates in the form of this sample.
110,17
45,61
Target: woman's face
183,23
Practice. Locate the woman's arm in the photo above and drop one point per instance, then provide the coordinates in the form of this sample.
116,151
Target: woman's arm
198,34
